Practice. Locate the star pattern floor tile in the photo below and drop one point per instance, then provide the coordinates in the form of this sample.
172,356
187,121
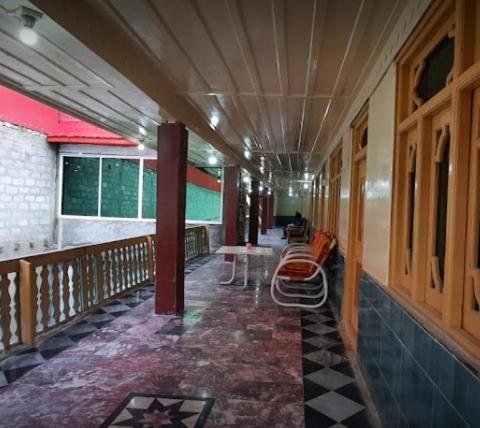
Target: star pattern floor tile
332,397
15,366
155,411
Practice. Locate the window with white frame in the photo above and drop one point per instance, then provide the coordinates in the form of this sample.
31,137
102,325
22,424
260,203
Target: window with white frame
126,188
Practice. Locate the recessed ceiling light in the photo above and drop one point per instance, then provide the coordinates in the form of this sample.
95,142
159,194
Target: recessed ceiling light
212,160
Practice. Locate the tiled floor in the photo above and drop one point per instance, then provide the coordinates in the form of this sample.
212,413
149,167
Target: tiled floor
140,410
16,366
233,349
332,397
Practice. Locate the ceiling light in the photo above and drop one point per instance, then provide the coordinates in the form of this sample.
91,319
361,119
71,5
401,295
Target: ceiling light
247,154
246,179
28,36
212,160
260,189
247,142
306,175
305,186
269,192
142,131
141,146
28,17
214,121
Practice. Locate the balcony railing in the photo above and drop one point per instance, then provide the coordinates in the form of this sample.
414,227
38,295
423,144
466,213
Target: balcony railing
42,292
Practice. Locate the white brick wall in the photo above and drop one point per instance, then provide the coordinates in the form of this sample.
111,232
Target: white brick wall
27,190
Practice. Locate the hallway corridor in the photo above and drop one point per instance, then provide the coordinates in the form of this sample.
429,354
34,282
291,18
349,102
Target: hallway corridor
232,346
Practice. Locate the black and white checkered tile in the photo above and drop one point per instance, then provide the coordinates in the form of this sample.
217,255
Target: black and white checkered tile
332,397
15,366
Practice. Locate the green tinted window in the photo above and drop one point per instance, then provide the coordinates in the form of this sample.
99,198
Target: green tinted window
149,198
80,186
203,204
120,187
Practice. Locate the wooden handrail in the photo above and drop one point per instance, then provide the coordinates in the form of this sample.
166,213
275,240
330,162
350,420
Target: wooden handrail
59,285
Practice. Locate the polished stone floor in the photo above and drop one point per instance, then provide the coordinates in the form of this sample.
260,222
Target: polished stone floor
234,359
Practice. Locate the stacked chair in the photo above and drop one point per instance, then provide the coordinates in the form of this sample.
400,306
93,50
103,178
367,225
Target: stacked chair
300,273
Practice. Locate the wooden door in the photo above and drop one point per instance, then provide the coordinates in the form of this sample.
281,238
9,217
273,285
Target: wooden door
354,257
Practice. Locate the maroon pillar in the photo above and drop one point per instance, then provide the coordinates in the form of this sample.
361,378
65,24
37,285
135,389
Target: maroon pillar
171,195
263,228
270,211
231,176
253,226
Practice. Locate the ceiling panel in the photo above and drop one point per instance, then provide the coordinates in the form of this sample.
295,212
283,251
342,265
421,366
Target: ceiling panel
277,74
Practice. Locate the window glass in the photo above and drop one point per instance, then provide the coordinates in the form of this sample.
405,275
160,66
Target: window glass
412,173
437,67
442,196
203,202
120,187
80,186
149,196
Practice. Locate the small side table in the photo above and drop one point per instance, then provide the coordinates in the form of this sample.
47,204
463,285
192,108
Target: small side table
242,250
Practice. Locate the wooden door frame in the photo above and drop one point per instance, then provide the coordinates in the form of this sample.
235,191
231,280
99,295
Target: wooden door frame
350,289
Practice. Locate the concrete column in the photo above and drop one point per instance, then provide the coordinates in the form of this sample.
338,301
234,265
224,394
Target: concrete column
263,197
253,226
231,177
270,203
171,200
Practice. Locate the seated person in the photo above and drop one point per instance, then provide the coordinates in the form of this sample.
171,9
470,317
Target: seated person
297,221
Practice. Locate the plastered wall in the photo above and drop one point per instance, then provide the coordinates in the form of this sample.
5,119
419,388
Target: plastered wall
378,191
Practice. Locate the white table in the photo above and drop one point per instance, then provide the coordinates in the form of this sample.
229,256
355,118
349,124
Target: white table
239,251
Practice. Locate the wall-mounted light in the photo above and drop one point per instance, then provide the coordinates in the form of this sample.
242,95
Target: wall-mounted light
212,160
28,17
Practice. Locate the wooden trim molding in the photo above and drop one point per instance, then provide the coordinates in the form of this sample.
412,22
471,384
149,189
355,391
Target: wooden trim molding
437,275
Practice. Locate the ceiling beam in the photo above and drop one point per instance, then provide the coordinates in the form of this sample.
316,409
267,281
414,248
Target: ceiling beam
88,21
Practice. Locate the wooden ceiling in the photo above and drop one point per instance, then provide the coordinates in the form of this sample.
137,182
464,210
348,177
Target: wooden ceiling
270,76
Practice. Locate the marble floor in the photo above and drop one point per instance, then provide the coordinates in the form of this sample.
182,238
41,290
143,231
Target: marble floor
234,359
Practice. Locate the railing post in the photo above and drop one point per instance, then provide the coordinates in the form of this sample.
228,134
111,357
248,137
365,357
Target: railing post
150,260
28,297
